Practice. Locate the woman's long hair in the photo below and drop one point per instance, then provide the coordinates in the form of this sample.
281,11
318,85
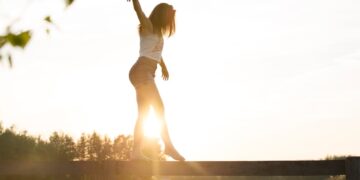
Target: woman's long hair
163,19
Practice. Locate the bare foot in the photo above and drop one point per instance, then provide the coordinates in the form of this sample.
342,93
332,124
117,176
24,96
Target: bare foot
174,154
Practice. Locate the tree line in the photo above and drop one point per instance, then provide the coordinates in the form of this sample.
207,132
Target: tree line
19,145
16,145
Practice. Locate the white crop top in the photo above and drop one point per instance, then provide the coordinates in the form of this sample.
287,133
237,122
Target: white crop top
151,46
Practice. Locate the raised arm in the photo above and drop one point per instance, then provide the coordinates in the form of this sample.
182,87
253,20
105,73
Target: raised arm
144,21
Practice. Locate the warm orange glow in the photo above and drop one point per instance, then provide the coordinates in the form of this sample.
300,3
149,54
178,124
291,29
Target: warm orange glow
152,126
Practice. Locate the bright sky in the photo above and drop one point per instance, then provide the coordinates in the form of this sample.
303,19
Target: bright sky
249,80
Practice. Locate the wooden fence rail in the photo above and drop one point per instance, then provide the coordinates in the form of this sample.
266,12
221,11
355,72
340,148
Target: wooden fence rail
349,167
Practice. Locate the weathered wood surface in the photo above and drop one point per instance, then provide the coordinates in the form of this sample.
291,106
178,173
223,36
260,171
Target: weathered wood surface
188,168
353,168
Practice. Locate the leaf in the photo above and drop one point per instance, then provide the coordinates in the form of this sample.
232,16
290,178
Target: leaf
68,2
48,19
20,39
10,60
2,41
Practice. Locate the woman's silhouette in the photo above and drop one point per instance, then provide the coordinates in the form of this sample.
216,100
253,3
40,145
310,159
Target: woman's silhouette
151,30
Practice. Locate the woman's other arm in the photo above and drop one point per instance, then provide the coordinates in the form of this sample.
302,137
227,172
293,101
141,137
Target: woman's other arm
165,73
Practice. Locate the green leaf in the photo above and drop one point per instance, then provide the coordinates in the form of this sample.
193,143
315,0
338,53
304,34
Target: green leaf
10,61
68,2
2,41
20,39
48,19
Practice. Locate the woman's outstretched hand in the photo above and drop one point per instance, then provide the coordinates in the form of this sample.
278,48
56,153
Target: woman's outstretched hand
165,74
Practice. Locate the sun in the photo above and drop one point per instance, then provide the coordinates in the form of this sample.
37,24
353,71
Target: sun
151,126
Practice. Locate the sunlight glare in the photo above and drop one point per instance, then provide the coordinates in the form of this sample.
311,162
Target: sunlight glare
151,126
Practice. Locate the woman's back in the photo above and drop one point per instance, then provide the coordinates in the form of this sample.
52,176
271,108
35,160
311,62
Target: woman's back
151,46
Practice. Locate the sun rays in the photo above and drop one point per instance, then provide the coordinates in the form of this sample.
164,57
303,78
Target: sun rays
152,126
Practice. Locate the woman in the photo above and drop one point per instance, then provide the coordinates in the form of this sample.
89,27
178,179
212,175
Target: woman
151,30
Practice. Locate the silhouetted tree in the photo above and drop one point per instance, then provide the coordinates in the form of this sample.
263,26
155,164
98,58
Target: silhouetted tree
62,147
82,148
95,147
16,146
107,150
42,152
122,147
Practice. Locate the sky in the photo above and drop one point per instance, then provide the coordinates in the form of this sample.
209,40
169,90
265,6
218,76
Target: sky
249,80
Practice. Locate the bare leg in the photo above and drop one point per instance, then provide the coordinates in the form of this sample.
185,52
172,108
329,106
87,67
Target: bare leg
143,111
148,95
159,109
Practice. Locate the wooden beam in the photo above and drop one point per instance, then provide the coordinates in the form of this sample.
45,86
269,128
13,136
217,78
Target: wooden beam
353,168
188,168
